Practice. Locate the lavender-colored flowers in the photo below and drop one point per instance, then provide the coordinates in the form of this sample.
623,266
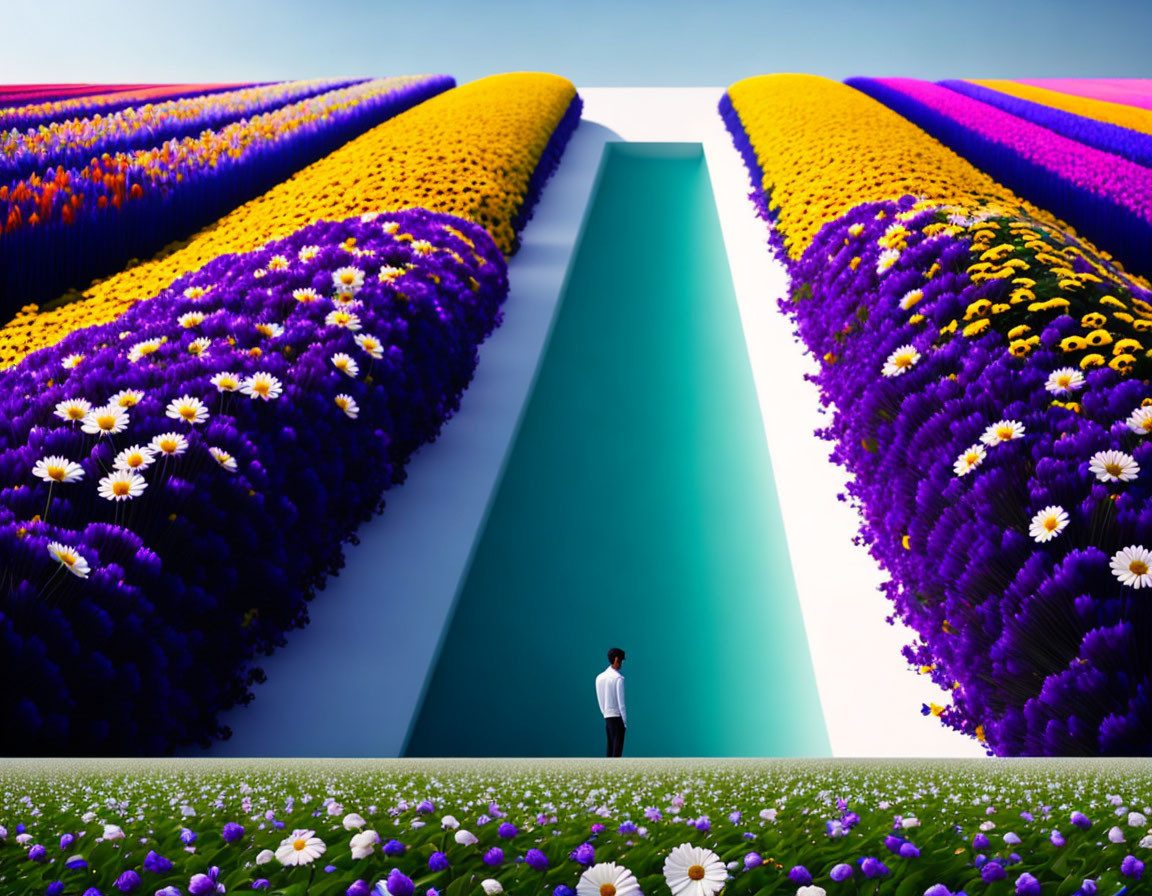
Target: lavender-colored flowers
585,854
438,862
399,884
536,859
840,872
1132,867
799,875
232,832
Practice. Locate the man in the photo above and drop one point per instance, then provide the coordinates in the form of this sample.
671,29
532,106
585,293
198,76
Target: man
610,693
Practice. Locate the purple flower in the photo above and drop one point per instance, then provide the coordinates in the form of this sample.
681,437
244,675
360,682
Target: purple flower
753,860
156,863
399,884
536,859
92,891
992,871
438,862
494,856
748,835
507,830
38,853
627,827
328,869
799,875
873,867
938,890
426,807
66,840
1088,887
980,841
840,872
893,843
734,817
75,863
703,825
908,850
1132,867
358,888
1027,885
232,832
261,883
585,854
597,828
1057,838
55,888
170,891
653,814
128,882
563,890
187,836
1081,820
393,848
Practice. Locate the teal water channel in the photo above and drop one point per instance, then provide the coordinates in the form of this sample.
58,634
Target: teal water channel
637,508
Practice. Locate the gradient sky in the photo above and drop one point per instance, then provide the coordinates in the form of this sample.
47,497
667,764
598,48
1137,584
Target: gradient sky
592,42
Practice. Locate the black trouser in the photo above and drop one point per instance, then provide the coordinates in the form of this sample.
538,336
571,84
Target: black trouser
614,726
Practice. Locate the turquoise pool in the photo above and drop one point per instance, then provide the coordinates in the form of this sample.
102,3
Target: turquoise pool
637,508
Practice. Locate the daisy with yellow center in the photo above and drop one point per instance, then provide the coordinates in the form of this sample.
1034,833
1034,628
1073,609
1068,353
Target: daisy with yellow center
345,300
191,319
170,444
73,410
194,292
71,362
69,558
128,398
900,361
1113,466
226,381
138,458
348,405
911,298
1133,566
345,319
1048,523
373,347
57,469
222,457
1064,381
145,348
1140,421
190,410
122,485
262,385
277,263
347,279
109,420
390,227
422,247
694,871
345,364
307,253
258,273
607,879
300,848
969,460
887,258
388,273
270,330
199,346
305,295
1004,431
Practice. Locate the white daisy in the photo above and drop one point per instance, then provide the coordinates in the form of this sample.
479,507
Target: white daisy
1004,431
305,295
226,381
1113,466
341,318
348,405
607,879
226,460
57,469
262,385
145,348
491,886
370,345
363,844
1048,523
307,253
1064,381
277,263
109,420
122,485
191,319
138,457
190,410
70,558
301,848
694,871
199,346
969,460
170,444
348,280
127,398
269,329
71,362
1133,566
900,361
73,410
887,258
911,298
195,292
1140,420
422,247
345,364
345,300
389,273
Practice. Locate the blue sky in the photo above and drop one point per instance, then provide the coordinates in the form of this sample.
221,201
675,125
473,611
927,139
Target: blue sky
591,42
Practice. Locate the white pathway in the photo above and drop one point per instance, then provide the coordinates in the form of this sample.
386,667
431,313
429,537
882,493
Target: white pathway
377,625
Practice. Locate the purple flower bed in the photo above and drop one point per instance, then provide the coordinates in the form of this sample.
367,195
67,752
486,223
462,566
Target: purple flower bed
1111,138
242,424
134,212
1106,197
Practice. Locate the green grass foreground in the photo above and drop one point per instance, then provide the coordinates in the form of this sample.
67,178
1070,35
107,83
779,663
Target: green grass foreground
395,827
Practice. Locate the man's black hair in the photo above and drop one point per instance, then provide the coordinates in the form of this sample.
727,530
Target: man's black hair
614,652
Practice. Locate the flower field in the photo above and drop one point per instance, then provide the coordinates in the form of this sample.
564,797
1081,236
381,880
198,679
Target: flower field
987,370
180,469
740,828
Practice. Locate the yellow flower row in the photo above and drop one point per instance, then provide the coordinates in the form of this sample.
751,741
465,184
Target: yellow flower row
469,152
1118,114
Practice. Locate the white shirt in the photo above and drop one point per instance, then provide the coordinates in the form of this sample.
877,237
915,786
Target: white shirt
610,693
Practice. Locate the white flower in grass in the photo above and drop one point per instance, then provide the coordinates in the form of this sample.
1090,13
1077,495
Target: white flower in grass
271,330
71,362
1113,466
306,295
222,457
1133,566
694,871
901,360
370,345
465,838
226,381
57,469
342,318
145,348
348,405
345,364
811,890
170,444
109,420
113,832
353,822
1064,381
363,843
1004,431
190,410
69,558
127,398
301,848
191,319
265,856
1140,421
122,485
347,280
969,460
138,458
491,886
199,346
449,822
1048,523
73,410
607,879
262,385
887,258
307,253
